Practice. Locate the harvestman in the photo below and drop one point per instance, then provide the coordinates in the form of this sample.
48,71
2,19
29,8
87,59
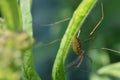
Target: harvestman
77,45
76,42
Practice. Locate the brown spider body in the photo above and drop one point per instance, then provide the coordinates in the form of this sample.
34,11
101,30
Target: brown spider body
77,46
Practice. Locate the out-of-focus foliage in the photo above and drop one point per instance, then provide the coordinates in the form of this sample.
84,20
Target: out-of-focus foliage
16,41
12,14
26,16
12,46
112,70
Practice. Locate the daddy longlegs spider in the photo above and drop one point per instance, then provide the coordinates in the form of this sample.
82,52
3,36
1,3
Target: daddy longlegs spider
76,44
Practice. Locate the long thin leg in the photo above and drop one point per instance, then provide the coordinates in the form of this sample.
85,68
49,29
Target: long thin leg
47,44
73,62
81,59
91,38
111,50
57,22
45,25
97,25
78,34
108,49
100,21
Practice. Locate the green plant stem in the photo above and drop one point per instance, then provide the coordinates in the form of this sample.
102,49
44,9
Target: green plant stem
12,15
28,66
75,24
28,63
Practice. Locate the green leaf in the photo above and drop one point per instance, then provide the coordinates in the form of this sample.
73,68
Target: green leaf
26,16
28,64
112,70
76,22
11,12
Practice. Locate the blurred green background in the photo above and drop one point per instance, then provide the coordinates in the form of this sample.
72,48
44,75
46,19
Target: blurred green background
107,35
